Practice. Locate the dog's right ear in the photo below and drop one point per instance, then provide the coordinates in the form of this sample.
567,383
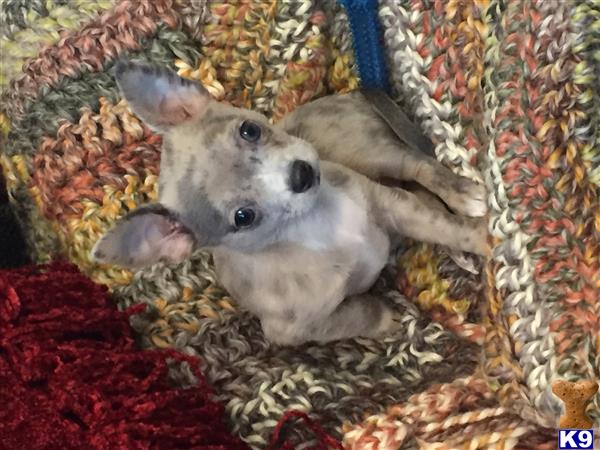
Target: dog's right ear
143,237
159,96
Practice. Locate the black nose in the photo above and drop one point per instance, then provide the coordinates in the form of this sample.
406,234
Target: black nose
302,176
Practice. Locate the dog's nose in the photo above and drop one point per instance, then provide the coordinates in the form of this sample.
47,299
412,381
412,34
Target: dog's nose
302,176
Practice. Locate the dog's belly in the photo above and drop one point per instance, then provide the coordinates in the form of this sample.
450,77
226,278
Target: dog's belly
284,280
292,280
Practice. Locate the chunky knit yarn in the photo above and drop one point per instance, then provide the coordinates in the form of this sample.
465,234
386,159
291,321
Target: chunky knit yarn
507,91
72,377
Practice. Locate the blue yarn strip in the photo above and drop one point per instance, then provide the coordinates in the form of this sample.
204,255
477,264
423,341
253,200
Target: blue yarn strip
368,43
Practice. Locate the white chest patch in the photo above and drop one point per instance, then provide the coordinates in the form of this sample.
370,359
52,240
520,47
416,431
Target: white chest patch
341,225
351,223
339,222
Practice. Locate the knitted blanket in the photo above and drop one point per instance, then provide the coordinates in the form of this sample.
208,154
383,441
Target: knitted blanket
72,377
506,90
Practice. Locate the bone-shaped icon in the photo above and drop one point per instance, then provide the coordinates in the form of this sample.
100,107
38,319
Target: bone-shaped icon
575,396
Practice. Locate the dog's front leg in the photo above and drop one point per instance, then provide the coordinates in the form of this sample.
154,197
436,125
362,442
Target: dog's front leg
359,315
403,213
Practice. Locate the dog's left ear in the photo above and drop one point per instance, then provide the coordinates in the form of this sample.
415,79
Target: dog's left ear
159,96
148,234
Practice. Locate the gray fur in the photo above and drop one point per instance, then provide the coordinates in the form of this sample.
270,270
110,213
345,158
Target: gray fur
304,266
207,223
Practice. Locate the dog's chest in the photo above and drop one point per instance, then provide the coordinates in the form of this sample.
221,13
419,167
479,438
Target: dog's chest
346,230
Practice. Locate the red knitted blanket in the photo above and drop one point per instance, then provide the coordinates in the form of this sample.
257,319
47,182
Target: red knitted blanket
71,376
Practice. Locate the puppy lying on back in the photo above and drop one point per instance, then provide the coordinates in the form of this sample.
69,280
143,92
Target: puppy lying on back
298,226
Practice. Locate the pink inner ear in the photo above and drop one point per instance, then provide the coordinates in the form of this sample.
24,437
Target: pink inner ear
165,238
177,247
175,109
176,244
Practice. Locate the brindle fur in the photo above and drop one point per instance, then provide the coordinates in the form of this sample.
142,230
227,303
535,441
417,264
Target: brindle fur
305,266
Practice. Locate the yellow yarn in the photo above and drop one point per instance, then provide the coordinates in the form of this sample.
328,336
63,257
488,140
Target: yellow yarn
341,77
96,219
420,264
205,73
4,125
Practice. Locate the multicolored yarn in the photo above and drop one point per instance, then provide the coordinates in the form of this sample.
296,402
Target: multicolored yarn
508,87
545,274
444,416
29,25
451,297
507,91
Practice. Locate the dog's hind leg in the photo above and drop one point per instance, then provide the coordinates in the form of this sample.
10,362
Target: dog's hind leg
362,315
346,129
403,213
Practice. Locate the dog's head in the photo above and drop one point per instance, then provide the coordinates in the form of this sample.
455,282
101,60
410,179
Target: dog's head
227,177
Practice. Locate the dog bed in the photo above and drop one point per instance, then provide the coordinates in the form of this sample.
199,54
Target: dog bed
506,90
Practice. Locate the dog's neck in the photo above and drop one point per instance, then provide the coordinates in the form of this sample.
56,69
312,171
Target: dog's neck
336,219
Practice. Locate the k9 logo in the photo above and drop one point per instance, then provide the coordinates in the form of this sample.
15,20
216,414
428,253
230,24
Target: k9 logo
575,439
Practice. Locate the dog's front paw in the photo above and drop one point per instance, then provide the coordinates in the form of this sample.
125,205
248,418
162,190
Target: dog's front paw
480,237
468,199
464,260
390,323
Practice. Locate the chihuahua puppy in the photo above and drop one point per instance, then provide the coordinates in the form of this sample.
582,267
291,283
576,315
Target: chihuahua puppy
297,223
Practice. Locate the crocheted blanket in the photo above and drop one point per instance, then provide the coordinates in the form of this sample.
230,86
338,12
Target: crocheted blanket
506,90
72,377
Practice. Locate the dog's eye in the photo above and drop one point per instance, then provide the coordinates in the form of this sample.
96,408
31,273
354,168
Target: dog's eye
244,217
249,131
